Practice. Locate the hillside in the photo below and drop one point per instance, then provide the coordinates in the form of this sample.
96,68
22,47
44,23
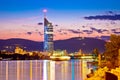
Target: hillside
71,45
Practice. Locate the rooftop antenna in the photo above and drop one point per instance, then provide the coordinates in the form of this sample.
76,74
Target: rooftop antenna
79,33
80,38
44,11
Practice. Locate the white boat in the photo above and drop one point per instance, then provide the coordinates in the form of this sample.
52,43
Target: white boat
60,58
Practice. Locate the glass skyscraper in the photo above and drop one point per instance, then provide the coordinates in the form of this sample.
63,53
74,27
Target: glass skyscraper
48,36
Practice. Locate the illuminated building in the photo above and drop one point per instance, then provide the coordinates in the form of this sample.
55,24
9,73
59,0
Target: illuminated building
19,50
48,36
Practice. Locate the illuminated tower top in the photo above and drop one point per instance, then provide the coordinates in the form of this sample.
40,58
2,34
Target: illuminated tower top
44,11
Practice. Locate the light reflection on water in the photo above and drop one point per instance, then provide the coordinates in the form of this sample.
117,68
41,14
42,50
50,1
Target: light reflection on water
44,70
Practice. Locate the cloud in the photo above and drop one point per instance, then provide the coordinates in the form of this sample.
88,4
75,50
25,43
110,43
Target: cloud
85,30
104,17
56,25
110,12
29,33
40,23
97,30
65,33
83,26
74,31
113,30
40,33
104,30
117,32
59,30
112,22
88,31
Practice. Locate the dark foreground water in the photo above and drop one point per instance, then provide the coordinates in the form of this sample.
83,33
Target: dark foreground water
44,70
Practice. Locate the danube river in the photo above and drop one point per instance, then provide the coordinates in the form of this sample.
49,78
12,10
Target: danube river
44,70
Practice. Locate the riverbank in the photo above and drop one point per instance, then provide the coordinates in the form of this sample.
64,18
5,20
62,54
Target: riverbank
101,74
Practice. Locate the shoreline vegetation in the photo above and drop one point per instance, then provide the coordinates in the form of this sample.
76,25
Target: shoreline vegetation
23,57
109,69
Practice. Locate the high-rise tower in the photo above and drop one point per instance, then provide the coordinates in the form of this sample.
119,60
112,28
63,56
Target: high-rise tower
48,36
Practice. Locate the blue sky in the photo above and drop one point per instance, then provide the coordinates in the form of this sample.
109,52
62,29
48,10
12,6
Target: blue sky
26,8
23,5
17,15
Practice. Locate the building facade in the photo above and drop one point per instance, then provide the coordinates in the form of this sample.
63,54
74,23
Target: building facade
48,36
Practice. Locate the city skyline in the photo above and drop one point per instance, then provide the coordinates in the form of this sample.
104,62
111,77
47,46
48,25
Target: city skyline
19,19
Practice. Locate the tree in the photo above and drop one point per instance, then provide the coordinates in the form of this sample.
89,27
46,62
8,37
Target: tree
112,47
95,53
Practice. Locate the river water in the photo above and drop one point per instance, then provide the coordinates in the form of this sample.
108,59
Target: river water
44,70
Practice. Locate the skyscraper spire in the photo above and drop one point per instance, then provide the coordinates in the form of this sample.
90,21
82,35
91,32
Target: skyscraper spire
44,11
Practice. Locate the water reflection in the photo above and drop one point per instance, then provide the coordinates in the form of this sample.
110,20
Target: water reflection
44,70
73,71
7,70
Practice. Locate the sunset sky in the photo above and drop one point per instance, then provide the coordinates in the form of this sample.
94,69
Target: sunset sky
93,18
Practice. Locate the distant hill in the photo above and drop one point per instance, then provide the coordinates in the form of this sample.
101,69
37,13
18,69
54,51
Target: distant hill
86,44
26,44
71,45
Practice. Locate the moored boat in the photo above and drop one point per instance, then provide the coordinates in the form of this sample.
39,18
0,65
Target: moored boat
60,58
